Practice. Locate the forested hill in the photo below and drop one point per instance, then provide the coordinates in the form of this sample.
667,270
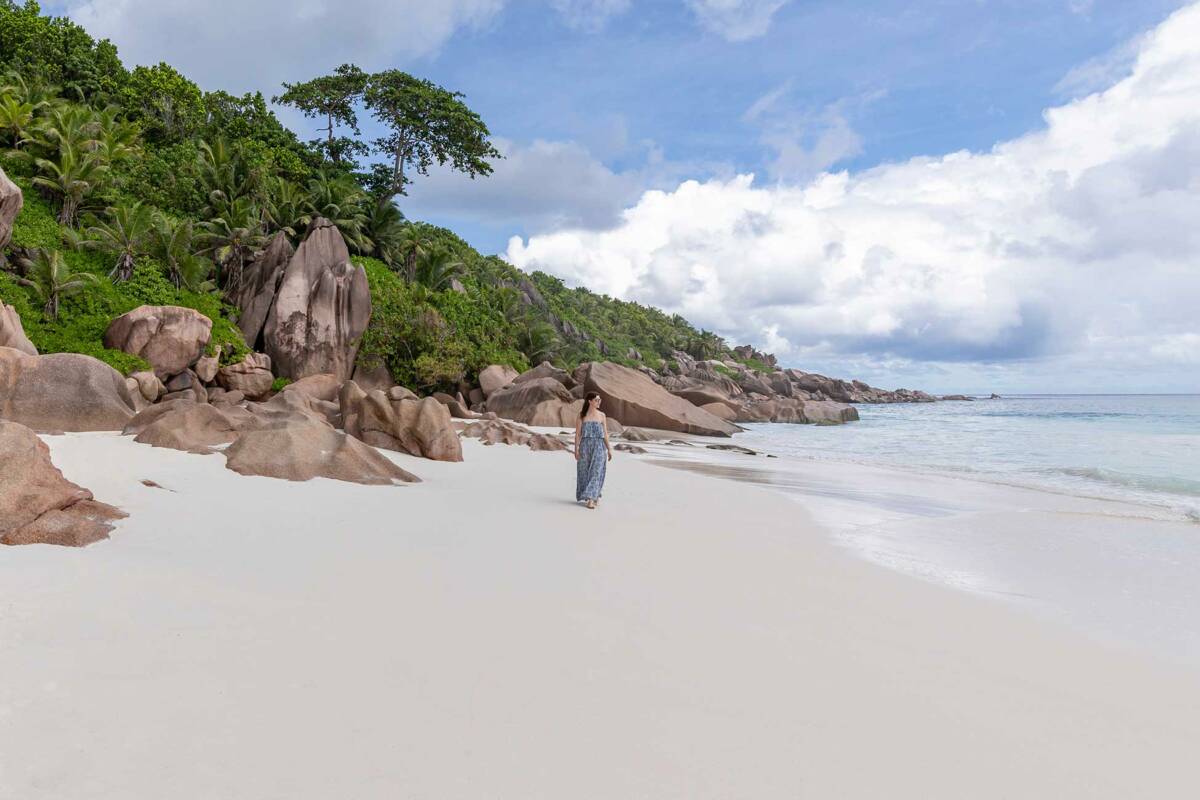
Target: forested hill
141,187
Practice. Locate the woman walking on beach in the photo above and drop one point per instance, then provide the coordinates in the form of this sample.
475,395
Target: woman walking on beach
592,452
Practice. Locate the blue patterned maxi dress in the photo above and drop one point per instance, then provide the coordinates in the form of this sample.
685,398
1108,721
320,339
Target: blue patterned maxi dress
592,463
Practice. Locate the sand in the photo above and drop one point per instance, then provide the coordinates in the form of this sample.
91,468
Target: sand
480,635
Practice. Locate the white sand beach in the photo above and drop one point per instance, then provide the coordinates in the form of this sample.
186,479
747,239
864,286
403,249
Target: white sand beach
481,635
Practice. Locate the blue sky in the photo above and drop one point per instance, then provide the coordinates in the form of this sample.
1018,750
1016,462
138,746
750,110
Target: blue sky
963,195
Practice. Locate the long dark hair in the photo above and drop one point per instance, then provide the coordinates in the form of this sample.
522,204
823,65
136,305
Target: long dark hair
587,403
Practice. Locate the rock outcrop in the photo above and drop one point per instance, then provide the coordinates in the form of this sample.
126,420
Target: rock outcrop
546,370
320,310
420,427
170,338
495,377
12,332
11,201
37,504
632,398
251,376
191,427
62,392
260,282
496,431
538,401
302,451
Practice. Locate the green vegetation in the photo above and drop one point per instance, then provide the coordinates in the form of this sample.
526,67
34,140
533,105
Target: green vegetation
142,188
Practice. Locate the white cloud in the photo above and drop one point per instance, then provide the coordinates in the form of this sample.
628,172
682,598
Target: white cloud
1074,245
238,46
589,15
736,20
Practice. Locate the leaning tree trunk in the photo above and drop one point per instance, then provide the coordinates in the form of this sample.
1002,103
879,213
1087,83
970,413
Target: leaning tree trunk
123,271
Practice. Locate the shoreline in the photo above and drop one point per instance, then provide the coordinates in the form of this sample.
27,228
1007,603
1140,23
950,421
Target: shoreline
1066,557
481,634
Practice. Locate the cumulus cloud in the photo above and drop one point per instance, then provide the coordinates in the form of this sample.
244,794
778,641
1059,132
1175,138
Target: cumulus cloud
544,184
238,46
736,20
1074,244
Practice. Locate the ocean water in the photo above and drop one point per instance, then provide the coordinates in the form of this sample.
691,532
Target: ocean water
1142,449
1081,508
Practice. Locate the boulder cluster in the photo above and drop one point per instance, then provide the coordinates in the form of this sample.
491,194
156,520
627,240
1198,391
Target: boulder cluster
706,398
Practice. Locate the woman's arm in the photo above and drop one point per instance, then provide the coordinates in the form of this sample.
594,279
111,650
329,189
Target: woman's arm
578,434
604,424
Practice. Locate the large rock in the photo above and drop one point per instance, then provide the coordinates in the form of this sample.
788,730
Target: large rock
191,427
12,332
318,387
37,504
546,370
150,386
371,377
62,392
171,338
251,376
305,450
495,377
10,205
420,427
496,431
540,401
260,282
633,399
321,309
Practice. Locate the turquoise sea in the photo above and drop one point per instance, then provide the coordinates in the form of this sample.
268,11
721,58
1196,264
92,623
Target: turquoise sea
927,490
1138,448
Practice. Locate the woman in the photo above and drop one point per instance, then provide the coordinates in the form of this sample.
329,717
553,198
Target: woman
592,452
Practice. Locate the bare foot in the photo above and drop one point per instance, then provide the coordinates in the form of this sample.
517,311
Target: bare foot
591,503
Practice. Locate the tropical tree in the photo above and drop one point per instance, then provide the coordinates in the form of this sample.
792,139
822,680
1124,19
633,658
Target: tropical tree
425,124
538,341
115,139
31,89
225,176
67,125
436,269
123,235
16,120
413,244
385,227
49,277
231,239
171,242
332,98
71,178
339,199
285,207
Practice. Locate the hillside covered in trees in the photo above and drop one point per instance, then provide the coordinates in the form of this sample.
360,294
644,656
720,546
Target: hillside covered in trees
143,188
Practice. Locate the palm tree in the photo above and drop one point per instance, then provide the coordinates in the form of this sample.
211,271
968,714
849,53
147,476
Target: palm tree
171,242
46,273
16,118
231,240
68,125
340,200
71,178
413,245
124,235
437,268
115,138
35,91
225,175
538,341
285,208
385,228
